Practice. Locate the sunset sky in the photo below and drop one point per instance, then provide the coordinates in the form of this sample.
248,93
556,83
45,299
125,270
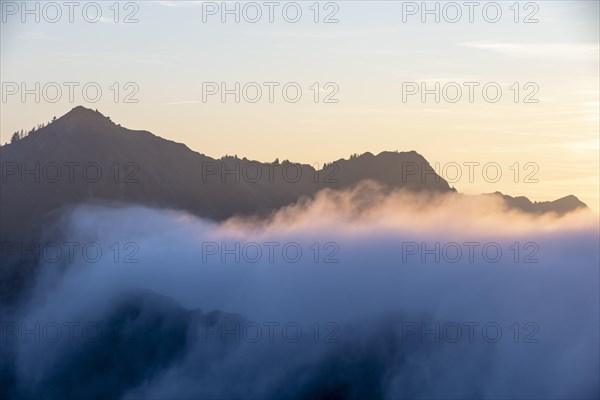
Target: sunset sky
369,53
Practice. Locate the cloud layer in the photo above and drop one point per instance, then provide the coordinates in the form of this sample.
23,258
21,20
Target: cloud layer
394,295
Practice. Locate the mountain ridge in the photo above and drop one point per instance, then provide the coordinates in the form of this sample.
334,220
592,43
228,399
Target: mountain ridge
137,166
84,157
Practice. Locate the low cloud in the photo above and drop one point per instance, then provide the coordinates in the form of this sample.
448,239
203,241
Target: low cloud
378,293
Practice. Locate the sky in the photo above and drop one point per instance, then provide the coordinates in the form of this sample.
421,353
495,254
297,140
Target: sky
361,58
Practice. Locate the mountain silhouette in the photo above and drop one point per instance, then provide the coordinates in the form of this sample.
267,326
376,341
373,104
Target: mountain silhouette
84,157
560,206
98,160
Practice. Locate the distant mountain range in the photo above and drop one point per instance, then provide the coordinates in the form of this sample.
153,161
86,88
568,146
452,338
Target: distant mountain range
59,165
84,157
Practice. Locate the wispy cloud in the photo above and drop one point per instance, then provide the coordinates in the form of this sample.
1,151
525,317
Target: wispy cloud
536,50
36,36
178,3
147,58
171,103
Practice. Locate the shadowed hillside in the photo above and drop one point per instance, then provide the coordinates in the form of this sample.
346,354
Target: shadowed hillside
84,157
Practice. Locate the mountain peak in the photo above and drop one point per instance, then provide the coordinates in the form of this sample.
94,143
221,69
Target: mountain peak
82,116
560,206
81,109
81,112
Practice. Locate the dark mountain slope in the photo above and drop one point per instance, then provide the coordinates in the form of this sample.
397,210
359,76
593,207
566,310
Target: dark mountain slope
83,156
560,206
